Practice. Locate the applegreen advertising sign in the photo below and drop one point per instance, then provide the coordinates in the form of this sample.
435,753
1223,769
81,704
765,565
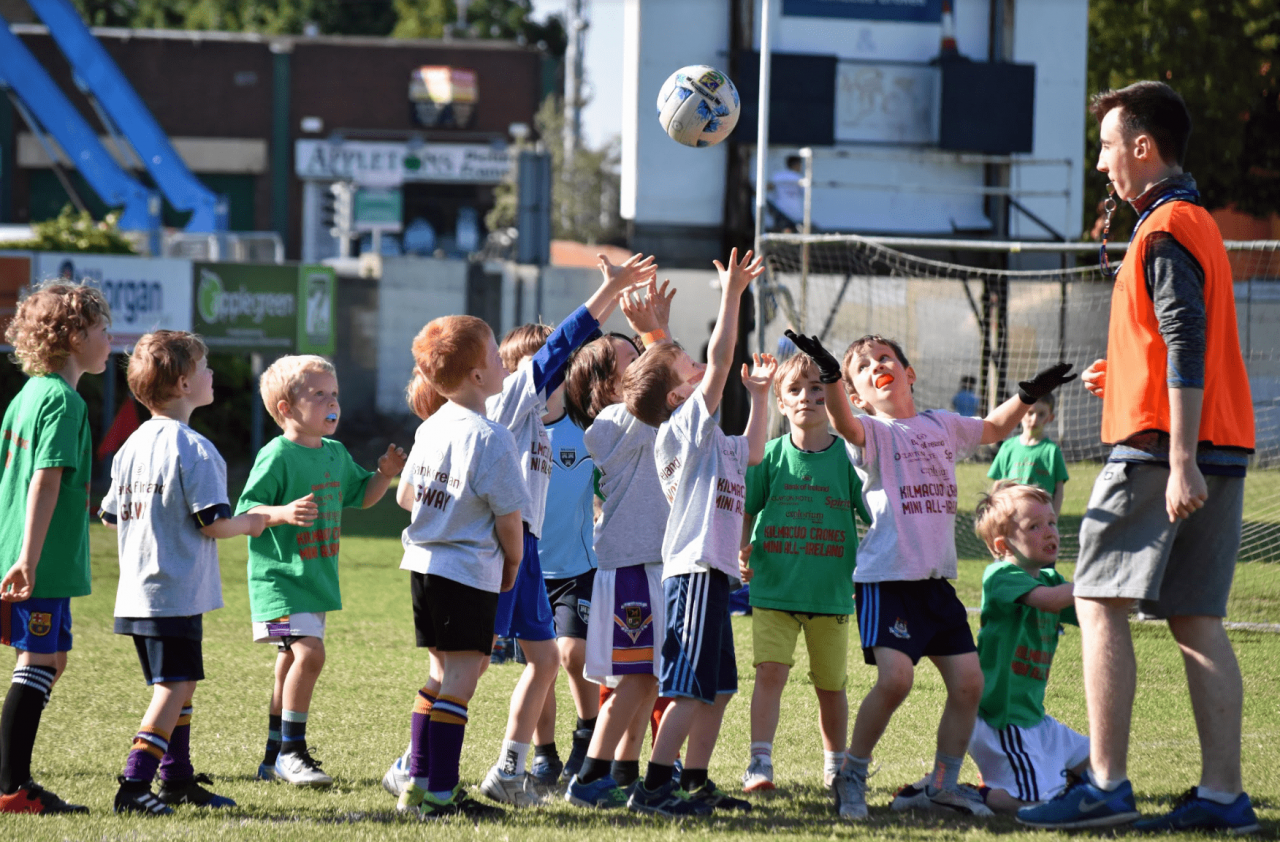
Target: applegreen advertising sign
264,307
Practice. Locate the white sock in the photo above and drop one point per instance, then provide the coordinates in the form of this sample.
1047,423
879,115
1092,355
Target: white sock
1106,784
421,783
831,761
1216,796
512,757
764,750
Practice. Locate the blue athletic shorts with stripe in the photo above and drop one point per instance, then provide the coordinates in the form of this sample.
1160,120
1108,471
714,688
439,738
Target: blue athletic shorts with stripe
525,611
698,660
39,624
921,618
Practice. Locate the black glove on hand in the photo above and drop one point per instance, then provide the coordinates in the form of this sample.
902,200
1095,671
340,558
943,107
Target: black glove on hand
1030,391
828,366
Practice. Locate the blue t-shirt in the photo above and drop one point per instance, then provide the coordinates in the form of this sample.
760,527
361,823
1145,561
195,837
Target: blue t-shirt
565,546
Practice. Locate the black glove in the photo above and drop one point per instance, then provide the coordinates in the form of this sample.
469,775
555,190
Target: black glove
1030,391
828,366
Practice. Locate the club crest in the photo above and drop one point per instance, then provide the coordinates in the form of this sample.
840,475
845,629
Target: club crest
634,619
899,630
568,456
40,624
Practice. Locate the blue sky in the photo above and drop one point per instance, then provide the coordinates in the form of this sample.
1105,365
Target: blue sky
602,118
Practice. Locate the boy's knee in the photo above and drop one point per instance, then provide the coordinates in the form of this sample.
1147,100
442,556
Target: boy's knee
772,675
542,655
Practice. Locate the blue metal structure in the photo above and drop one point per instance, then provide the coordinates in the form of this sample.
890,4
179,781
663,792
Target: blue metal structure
48,112
100,78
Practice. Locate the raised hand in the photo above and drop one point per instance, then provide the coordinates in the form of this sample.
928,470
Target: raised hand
636,269
740,273
391,463
758,379
1030,391
811,347
662,302
638,308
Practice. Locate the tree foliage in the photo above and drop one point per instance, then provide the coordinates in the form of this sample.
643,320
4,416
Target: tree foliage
584,192
504,19
1223,57
73,230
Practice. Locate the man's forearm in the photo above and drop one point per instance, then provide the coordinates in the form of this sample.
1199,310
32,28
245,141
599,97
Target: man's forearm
1184,424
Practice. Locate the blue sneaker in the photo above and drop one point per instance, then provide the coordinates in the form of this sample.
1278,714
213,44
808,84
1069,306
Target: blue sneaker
1191,812
1083,805
602,793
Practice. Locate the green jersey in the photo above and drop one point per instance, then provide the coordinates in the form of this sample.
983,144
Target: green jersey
294,569
805,539
47,426
1036,464
1016,644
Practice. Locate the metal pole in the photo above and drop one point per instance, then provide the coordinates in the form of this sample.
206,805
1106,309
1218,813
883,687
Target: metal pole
762,154
806,229
256,406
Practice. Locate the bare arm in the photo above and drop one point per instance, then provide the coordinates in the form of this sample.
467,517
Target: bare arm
1186,490
229,527
510,530
734,281
1057,497
635,269
1046,598
841,416
757,380
390,464
42,498
1000,423
301,512
745,573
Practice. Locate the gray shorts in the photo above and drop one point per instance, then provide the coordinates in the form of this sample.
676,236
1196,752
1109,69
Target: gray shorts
1130,550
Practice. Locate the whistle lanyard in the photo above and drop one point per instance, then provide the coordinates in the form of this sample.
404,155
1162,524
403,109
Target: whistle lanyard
1177,194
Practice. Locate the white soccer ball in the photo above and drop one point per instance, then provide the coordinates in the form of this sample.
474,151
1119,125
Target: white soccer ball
698,106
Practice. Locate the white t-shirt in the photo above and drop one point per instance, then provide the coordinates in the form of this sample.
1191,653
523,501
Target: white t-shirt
633,517
703,474
464,472
519,407
165,473
908,471
788,195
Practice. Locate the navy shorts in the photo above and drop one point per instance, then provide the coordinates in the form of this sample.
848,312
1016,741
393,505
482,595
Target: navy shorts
524,611
39,624
698,660
919,619
571,603
449,616
168,648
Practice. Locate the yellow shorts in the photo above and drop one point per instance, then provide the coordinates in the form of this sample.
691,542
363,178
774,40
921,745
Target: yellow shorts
826,636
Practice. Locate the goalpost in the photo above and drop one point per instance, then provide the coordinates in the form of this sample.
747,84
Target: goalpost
956,318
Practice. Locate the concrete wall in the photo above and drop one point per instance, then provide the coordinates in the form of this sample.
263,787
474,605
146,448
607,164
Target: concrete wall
413,291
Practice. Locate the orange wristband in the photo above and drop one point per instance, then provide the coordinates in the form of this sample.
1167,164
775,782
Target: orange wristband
654,336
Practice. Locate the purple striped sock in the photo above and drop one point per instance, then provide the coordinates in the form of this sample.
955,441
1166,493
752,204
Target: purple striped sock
419,737
176,763
447,727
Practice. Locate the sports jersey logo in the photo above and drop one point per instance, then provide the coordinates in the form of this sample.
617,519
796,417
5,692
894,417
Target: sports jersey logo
899,630
568,456
633,621
40,624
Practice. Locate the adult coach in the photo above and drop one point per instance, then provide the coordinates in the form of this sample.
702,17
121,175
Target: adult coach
1163,524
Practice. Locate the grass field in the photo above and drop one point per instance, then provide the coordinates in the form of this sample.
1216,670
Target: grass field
359,723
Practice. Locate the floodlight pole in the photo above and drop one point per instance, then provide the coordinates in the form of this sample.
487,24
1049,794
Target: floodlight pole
762,155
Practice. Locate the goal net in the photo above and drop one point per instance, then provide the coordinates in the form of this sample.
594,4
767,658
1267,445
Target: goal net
957,318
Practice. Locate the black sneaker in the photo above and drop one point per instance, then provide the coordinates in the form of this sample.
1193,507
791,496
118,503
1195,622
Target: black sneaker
667,800
716,798
136,797
189,791
577,754
33,798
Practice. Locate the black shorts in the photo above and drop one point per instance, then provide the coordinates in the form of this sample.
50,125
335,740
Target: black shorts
571,603
916,618
450,616
169,648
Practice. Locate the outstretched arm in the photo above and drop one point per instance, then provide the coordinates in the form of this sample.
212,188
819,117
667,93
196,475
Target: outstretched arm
1000,423
839,413
734,281
757,381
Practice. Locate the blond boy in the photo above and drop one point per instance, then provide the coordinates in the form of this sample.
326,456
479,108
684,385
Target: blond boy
301,481
58,334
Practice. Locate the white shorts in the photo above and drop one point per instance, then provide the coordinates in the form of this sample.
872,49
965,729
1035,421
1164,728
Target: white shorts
624,634
1027,763
279,631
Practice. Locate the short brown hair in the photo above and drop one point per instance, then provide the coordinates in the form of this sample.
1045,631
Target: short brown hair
284,377
588,386
649,380
994,515
862,342
159,361
1151,108
793,367
47,317
520,342
444,353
